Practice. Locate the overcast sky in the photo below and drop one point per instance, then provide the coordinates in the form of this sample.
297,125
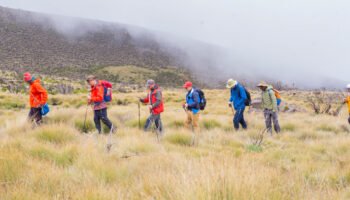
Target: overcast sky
302,40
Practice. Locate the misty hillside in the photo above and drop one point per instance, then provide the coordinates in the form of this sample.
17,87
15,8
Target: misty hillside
71,47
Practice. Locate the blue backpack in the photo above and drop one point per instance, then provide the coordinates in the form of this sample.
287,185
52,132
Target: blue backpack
45,109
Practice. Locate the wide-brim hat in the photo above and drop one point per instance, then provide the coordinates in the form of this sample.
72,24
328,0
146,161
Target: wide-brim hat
231,83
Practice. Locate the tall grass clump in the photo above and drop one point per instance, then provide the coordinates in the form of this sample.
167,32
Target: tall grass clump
210,124
88,127
54,134
179,139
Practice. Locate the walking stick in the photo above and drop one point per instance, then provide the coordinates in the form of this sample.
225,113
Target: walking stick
84,127
109,140
139,115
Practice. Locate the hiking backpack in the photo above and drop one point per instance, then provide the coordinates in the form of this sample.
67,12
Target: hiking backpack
248,101
202,99
107,93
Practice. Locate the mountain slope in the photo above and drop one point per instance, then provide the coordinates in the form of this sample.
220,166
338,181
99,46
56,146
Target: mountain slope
73,47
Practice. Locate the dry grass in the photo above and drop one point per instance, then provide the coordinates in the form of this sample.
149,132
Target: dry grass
310,160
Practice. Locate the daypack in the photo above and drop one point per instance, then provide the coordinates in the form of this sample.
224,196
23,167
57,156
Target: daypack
107,93
248,101
45,109
202,99
278,96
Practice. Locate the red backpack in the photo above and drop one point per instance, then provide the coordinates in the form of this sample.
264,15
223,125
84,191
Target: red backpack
107,93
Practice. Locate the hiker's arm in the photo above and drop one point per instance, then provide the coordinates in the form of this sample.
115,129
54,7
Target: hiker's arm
159,99
243,96
145,100
195,103
274,100
43,94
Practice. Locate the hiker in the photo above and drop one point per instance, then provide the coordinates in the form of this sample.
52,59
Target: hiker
154,100
238,101
37,98
269,105
97,99
192,107
347,100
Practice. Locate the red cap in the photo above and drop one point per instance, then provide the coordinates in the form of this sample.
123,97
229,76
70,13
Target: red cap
187,84
27,77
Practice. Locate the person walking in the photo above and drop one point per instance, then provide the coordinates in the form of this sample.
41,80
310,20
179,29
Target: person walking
269,105
238,102
192,107
37,98
154,100
97,95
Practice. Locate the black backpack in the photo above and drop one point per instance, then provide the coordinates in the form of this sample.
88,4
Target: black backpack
202,100
248,101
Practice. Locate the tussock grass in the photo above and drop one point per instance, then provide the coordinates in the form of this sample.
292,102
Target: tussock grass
178,138
309,160
55,135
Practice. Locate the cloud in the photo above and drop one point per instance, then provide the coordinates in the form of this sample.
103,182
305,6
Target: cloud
298,41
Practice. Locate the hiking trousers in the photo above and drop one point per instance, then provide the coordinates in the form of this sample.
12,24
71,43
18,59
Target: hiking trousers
239,119
35,115
156,120
271,116
101,115
192,120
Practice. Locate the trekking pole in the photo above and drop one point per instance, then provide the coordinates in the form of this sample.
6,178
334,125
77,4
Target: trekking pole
233,110
84,127
109,140
139,107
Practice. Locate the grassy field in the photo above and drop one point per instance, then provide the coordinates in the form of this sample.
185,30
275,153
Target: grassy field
309,160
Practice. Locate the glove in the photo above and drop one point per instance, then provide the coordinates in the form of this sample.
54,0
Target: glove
229,104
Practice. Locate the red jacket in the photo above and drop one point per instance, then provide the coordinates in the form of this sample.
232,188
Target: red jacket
152,99
97,96
37,94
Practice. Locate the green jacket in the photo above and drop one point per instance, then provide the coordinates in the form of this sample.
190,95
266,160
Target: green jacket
269,100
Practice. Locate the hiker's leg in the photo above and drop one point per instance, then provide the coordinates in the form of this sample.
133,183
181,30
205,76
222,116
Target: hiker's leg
38,116
275,122
158,123
31,114
105,119
188,121
267,115
236,120
97,120
195,123
242,121
148,123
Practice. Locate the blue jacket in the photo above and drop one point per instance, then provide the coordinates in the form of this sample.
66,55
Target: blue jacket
192,100
238,97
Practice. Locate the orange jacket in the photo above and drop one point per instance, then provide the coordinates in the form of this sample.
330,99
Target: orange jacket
37,94
97,93
347,100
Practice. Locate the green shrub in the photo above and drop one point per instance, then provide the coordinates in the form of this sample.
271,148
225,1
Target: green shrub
179,139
